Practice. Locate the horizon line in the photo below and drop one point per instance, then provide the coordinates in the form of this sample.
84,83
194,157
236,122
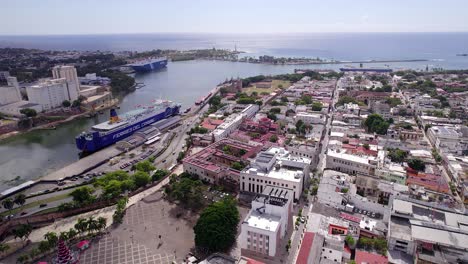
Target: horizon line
233,33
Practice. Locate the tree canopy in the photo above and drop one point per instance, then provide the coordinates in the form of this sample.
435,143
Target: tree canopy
28,112
216,228
397,155
417,164
83,195
375,123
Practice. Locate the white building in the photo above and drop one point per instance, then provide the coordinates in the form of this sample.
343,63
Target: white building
278,168
10,93
446,138
309,118
233,121
49,94
351,164
267,222
69,73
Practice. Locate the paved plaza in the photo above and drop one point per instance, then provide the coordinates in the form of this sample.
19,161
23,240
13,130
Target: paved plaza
153,231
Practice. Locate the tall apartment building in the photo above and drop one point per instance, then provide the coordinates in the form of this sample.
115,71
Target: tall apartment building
49,94
267,222
70,75
10,93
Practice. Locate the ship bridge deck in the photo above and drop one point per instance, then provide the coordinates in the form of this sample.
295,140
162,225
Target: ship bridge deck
106,126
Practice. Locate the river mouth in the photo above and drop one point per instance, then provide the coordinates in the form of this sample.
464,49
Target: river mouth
32,155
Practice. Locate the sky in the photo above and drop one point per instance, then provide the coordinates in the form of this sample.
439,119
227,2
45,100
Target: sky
49,17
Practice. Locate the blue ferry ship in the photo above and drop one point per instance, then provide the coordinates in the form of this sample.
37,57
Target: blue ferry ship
118,128
149,64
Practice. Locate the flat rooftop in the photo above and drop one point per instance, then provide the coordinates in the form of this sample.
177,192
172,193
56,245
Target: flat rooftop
261,221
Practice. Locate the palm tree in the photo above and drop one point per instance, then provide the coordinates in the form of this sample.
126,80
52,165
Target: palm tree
22,232
20,199
92,224
52,238
81,225
64,235
72,233
101,223
8,204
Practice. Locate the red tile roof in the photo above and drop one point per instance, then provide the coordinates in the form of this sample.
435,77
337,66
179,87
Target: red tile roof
369,258
304,251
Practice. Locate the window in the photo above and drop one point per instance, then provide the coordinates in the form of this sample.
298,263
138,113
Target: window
261,236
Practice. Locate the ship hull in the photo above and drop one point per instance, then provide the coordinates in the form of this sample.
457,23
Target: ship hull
152,66
97,140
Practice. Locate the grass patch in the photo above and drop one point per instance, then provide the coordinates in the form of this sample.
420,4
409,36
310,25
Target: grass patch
35,203
275,84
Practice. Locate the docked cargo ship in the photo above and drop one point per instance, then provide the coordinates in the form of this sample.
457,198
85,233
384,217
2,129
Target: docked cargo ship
118,128
149,64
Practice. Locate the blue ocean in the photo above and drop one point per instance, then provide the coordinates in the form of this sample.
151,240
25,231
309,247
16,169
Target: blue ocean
440,48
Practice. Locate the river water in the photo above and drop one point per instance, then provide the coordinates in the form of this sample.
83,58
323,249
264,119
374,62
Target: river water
35,154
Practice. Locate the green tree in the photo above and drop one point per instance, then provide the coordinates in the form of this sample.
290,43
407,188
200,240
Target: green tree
397,155
215,100
22,232
20,199
28,112
23,259
237,166
4,247
34,253
417,164
145,166
216,228
83,195
375,123
159,174
112,190
72,233
274,138
8,204
101,223
76,103
180,156
317,106
44,246
272,116
81,225
350,240
141,178
66,103
51,238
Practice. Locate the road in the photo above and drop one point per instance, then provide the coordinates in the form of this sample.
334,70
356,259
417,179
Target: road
296,238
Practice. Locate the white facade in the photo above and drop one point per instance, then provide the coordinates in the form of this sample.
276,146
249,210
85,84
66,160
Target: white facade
309,118
267,222
278,168
351,164
10,93
49,94
69,73
232,122
445,138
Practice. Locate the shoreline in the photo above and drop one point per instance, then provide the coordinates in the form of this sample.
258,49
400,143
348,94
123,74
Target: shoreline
53,125
320,62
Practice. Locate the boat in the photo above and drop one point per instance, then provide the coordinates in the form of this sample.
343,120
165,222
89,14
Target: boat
463,54
148,65
118,128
